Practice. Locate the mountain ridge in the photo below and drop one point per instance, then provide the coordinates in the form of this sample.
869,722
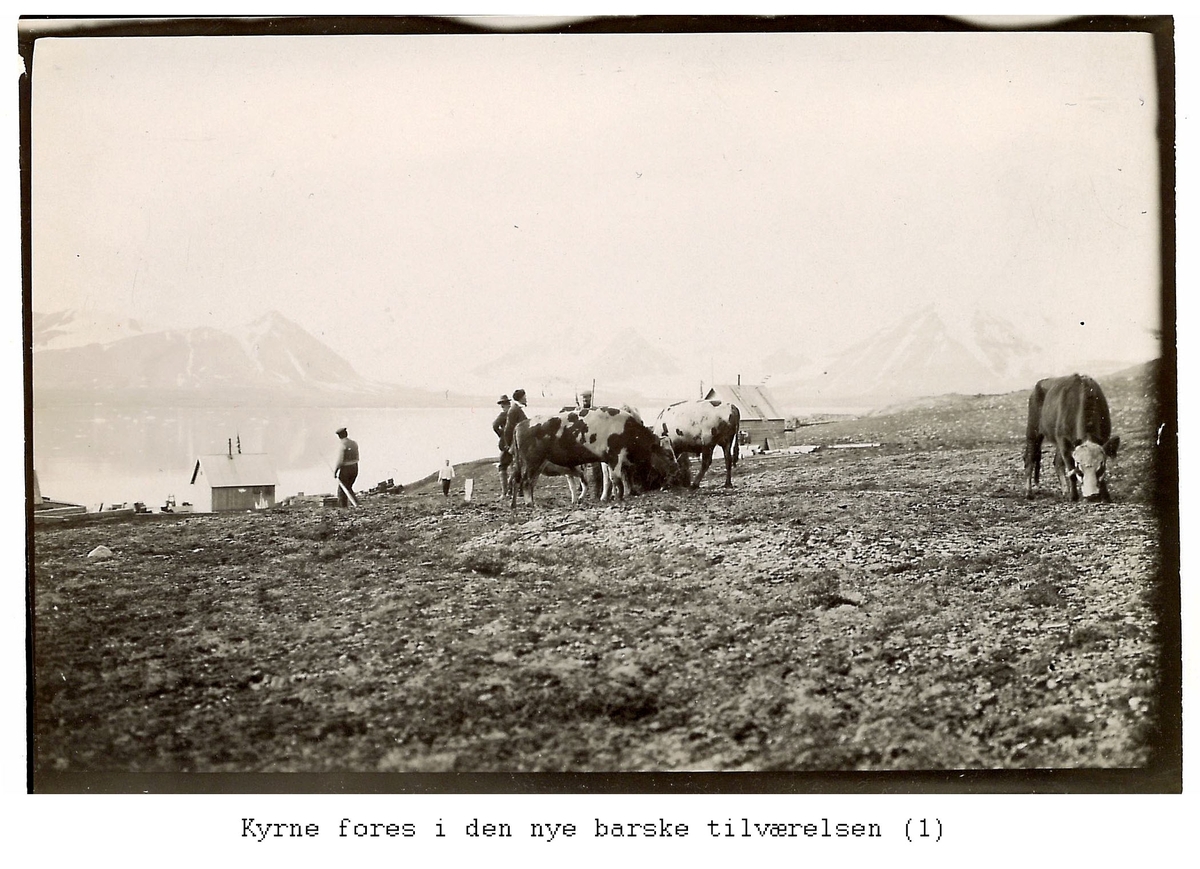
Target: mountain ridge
269,360
931,350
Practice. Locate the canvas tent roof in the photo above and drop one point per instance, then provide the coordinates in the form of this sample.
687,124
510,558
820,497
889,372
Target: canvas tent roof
754,402
239,470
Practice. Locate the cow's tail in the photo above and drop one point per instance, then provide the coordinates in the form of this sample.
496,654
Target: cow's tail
516,483
1033,438
735,416
1034,420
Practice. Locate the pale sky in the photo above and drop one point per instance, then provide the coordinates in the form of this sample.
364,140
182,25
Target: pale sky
424,202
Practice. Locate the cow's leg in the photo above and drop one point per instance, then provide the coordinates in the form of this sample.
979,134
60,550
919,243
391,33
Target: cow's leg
596,469
515,481
1033,464
728,465
606,487
685,467
618,476
1072,474
1060,472
614,479
530,483
705,461
576,476
1064,466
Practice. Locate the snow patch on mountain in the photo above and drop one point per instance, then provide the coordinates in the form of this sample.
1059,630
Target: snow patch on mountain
270,358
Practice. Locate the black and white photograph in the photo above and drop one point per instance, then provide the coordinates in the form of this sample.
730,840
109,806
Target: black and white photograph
632,404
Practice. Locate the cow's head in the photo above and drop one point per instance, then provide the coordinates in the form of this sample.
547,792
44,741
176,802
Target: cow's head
665,465
674,467
656,466
1091,461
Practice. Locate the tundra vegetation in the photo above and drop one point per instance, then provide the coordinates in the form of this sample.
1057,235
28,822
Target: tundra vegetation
887,608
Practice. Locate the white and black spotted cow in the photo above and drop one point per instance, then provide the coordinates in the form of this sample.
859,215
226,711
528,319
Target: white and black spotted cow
699,427
607,435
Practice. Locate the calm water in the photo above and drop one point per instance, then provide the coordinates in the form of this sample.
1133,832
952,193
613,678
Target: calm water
95,454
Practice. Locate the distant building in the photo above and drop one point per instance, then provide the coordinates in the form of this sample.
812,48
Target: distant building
762,420
241,481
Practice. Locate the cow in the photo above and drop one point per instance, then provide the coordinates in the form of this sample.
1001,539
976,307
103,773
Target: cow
699,427
600,473
581,437
1073,413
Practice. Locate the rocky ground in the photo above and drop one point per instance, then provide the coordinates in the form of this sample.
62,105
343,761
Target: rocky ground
895,607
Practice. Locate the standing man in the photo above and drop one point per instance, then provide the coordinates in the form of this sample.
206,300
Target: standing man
597,472
446,474
505,454
346,470
516,414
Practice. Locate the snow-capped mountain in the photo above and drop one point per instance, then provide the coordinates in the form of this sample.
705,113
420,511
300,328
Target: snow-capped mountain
932,351
284,352
270,359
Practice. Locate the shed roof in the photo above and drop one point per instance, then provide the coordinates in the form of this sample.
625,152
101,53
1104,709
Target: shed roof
754,402
239,470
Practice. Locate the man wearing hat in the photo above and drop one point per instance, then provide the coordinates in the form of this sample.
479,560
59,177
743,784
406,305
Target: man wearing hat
505,454
516,413
346,469
585,403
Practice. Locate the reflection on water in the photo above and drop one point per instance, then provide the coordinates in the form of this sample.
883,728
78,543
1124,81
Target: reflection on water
93,454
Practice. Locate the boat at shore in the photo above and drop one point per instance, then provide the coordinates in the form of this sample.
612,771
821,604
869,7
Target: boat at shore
48,511
171,507
51,512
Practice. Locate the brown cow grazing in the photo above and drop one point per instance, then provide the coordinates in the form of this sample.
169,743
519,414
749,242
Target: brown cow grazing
1073,413
600,434
700,427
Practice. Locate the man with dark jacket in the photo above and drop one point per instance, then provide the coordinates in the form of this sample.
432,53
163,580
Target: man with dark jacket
505,454
516,414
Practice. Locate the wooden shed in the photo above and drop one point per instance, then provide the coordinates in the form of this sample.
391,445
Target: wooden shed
762,419
238,481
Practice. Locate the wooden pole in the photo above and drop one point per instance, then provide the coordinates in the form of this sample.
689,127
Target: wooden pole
342,486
